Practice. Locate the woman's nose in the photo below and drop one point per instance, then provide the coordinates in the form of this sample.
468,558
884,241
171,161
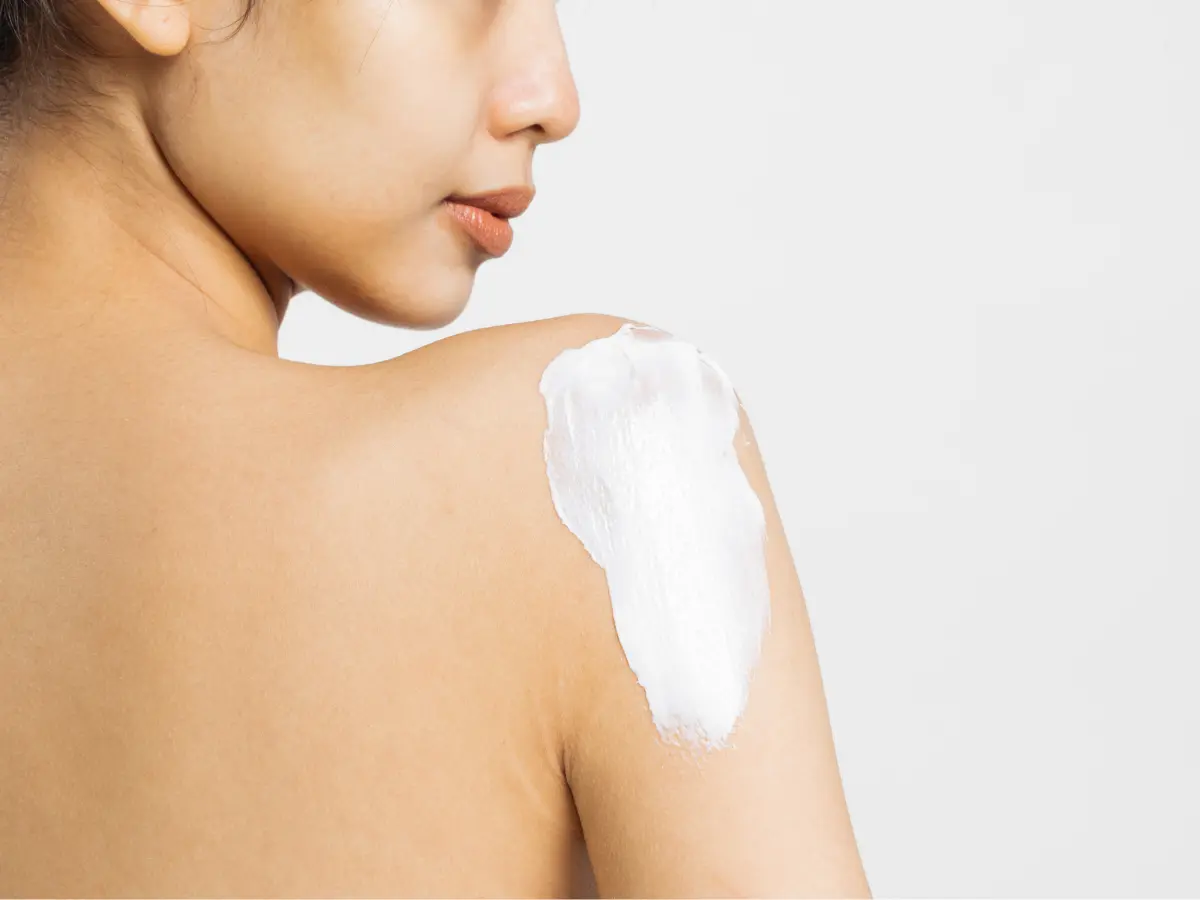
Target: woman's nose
541,97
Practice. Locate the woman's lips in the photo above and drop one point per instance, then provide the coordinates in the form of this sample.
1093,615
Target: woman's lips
491,233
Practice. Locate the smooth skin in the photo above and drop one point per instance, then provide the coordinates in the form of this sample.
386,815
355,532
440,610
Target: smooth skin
278,629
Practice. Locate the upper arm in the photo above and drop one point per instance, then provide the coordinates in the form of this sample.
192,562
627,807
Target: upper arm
759,813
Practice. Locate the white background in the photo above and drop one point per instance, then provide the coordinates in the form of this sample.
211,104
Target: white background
949,252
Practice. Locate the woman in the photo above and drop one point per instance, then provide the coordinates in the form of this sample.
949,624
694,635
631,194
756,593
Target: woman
279,629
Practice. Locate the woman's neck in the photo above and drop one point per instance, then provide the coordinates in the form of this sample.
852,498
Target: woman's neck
92,215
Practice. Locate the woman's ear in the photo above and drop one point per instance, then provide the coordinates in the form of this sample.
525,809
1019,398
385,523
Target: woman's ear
162,27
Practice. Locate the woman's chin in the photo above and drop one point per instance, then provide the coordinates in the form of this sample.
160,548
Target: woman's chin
434,318
422,304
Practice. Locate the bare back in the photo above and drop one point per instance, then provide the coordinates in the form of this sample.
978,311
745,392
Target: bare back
263,634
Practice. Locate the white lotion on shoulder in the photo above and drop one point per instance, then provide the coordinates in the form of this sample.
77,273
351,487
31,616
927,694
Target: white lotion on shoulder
640,455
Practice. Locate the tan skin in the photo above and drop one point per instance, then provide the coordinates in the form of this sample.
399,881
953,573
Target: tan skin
277,629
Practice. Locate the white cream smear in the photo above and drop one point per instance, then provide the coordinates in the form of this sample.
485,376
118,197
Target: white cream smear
643,470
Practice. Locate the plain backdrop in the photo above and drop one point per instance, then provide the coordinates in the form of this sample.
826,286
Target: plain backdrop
949,253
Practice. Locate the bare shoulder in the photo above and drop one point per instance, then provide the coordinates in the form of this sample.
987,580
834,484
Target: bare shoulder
463,457
670,606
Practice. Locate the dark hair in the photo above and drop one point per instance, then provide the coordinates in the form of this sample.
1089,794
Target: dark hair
38,45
